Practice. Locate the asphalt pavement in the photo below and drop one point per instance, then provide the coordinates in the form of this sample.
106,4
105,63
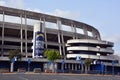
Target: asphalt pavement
51,76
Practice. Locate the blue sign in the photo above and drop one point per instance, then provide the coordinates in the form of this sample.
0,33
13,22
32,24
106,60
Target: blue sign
113,62
102,66
81,62
39,44
50,62
63,62
29,61
13,60
78,58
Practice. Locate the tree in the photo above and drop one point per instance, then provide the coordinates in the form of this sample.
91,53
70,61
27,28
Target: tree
87,63
52,55
14,53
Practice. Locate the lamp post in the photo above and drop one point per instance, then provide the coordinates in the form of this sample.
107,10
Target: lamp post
29,61
12,64
63,62
102,67
81,63
113,63
98,54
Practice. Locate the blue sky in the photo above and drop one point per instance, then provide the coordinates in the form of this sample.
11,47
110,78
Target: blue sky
102,14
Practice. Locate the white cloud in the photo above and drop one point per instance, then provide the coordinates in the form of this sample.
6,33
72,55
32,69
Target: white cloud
16,3
66,14
57,12
13,3
2,3
60,13
113,38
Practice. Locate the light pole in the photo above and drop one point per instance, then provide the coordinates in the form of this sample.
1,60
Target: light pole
81,63
102,67
63,62
98,54
113,63
29,61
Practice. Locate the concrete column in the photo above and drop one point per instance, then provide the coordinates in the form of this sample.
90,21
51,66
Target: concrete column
85,31
79,66
76,66
69,66
2,51
76,37
105,69
62,66
59,39
26,36
72,66
93,33
21,35
72,26
65,65
45,34
11,67
63,45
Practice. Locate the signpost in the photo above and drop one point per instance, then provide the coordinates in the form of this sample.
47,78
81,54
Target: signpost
12,64
81,62
113,63
63,62
102,67
29,61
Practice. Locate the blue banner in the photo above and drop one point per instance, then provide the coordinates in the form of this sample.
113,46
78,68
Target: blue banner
13,60
102,66
29,61
113,62
63,62
39,44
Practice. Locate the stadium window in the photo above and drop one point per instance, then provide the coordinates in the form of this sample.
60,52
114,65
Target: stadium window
66,28
12,19
79,30
31,21
1,17
90,33
51,25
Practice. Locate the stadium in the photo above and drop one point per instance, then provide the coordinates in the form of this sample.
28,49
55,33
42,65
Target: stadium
71,38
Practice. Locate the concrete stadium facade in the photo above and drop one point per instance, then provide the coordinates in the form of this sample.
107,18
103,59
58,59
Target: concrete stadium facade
71,38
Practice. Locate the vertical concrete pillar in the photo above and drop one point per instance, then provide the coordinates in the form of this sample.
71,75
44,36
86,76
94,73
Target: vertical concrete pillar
93,33
65,65
85,31
21,34
63,45
3,30
59,39
69,66
76,66
73,30
45,34
26,36
79,66
76,37
72,66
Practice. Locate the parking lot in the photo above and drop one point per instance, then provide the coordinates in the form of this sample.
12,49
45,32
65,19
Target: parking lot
52,76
